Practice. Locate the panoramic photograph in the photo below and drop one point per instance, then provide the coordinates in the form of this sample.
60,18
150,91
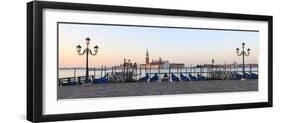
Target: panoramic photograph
111,60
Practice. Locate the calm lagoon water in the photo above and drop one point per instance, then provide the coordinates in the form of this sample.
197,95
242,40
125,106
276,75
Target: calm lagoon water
69,72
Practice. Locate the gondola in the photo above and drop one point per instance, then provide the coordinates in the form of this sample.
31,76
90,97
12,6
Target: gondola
174,77
251,76
69,83
248,76
238,76
100,80
83,80
254,76
165,77
154,78
200,77
184,78
145,78
193,78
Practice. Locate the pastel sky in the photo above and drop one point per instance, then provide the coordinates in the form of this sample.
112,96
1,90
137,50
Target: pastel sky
188,46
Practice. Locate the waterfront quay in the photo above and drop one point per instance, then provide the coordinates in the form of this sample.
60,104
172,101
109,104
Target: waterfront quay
155,88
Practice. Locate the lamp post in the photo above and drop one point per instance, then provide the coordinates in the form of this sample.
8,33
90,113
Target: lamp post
243,53
88,51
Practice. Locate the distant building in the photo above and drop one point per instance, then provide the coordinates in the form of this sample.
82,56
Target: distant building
147,57
162,64
176,65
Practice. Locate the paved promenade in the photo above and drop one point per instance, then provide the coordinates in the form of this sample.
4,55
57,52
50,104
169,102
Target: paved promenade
155,88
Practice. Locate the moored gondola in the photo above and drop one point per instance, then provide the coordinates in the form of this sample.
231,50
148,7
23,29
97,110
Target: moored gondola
165,77
184,78
193,78
238,76
154,78
174,77
100,80
251,76
68,82
200,77
145,78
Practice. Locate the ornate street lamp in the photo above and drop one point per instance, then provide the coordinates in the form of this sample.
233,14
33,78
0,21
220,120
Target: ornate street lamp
88,51
243,53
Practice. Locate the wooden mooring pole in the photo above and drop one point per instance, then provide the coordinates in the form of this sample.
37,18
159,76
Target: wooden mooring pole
169,73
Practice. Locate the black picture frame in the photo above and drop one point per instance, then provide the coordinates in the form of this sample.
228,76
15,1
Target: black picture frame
35,69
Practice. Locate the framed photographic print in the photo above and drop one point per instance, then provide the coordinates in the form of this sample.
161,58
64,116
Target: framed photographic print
95,61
